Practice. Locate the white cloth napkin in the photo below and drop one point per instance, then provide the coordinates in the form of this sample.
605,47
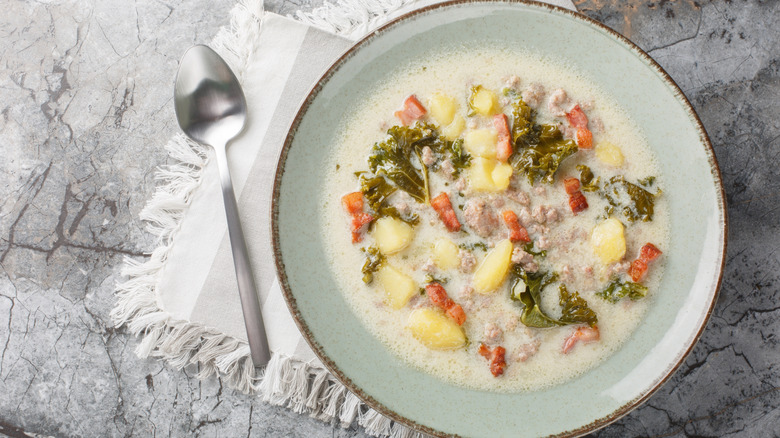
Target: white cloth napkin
184,300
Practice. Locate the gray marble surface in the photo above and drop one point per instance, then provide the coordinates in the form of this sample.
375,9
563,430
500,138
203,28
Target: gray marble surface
85,109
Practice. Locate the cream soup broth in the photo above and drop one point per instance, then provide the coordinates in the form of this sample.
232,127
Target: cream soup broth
534,356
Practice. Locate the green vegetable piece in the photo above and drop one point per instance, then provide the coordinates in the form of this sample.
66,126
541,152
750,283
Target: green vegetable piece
392,159
374,260
399,157
617,289
527,288
473,245
376,190
633,201
523,118
539,149
529,248
458,156
433,279
574,309
647,182
587,183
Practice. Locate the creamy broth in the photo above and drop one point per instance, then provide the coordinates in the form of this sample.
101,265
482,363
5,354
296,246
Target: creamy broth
569,249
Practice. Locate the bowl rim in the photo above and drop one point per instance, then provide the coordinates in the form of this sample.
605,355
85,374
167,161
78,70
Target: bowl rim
335,66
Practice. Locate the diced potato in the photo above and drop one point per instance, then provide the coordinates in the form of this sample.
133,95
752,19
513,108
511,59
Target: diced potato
608,241
481,142
501,174
398,287
435,330
492,271
609,154
485,102
485,175
442,108
480,174
446,254
392,235
452,131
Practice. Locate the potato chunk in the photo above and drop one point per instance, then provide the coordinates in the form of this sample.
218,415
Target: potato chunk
392,235
608,241
442,108
501,174
481,142
452,131
435,330
446,254
486,175
609,154
485,102
398,287
492,271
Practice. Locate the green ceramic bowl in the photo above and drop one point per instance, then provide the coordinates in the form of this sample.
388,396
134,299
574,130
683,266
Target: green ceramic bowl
694,261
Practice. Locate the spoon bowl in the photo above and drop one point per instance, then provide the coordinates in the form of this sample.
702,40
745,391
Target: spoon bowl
210,105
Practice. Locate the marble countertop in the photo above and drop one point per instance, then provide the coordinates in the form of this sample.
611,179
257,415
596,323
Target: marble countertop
85,109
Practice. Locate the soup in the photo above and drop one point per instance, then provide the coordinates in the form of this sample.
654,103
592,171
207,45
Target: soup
494,218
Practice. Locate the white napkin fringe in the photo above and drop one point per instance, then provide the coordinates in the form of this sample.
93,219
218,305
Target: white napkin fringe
285,381
351,18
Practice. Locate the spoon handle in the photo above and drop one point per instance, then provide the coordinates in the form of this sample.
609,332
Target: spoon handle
250,303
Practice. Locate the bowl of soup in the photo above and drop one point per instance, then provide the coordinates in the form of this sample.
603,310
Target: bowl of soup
498,219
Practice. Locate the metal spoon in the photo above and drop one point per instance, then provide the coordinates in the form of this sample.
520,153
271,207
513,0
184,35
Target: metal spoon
211,109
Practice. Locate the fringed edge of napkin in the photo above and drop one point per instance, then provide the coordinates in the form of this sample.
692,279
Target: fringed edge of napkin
285,381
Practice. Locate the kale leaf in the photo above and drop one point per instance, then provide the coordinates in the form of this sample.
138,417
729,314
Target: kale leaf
574,309
527,288
392,159
529,248
458,156
374,260
377,190
539,149
618,289
399,157
587,183
633,201
473,245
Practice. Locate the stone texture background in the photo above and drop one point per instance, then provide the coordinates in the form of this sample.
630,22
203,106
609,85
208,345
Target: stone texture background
85,108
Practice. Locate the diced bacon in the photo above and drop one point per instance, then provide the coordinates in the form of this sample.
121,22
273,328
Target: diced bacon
582,334
443,206
648,253
577,202
457,314
577,117
517,232
413,110
637,270
353,202
504,147
584,138
496,357
438,296
359,220
571,185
